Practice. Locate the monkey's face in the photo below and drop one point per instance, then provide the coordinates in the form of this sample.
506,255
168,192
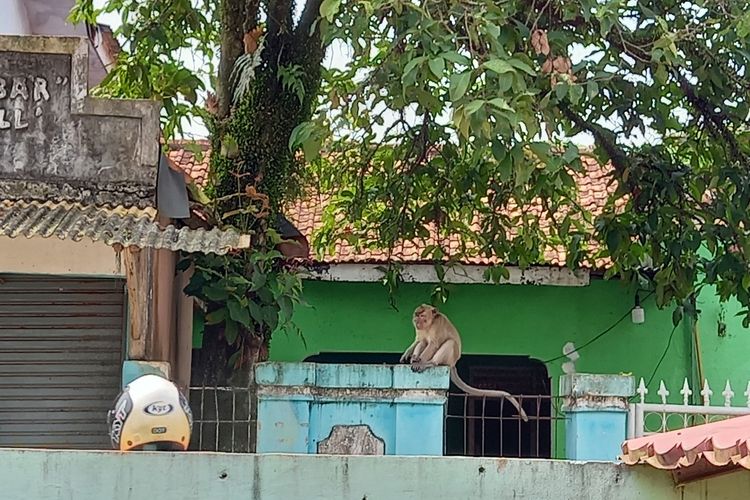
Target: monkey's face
423,316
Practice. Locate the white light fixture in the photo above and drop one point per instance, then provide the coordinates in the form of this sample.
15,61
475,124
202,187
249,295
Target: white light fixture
637,315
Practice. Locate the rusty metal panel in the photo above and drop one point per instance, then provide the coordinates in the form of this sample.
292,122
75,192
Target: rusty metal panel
61,350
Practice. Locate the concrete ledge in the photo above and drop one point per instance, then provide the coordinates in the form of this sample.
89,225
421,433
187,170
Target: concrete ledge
599,385
425,273
83,475
350,376
360,394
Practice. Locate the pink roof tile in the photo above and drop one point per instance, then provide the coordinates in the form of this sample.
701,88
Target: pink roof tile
722,444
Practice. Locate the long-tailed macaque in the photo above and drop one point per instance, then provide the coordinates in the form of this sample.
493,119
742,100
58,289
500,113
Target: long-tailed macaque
438,343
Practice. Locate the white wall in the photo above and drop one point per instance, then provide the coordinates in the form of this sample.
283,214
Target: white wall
55,256
13,19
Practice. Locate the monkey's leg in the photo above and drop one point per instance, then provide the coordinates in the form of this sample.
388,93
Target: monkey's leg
427,354
443,357
408,353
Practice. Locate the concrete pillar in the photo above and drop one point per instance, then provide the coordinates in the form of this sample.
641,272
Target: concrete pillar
350,409
596,409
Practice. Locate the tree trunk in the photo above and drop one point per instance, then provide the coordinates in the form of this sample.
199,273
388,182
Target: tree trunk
224,400
232,20
260,126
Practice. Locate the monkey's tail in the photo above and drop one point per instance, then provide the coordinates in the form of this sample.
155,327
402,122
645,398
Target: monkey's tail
482,392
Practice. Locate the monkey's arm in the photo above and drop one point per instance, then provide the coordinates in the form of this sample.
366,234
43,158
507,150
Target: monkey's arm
418,351
407,354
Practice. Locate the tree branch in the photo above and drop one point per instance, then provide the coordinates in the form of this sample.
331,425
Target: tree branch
309,15
279,18
232,17
718,126
251,15
605,138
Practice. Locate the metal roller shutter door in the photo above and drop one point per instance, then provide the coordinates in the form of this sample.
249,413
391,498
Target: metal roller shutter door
60,359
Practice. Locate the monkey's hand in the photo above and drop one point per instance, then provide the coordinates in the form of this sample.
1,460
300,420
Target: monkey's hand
405,357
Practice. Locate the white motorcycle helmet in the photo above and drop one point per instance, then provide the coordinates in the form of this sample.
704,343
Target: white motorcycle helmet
150,410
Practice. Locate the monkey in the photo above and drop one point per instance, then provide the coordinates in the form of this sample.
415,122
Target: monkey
438,343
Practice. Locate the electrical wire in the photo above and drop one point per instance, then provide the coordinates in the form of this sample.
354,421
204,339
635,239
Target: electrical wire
663,355
598,336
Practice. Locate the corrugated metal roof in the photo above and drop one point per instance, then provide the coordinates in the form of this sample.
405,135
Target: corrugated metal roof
724,444
123,226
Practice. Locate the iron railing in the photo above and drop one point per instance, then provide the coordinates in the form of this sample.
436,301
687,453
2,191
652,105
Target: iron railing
491,427
222,419
650,418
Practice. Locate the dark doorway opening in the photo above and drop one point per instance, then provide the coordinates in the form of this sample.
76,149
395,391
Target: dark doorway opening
489,427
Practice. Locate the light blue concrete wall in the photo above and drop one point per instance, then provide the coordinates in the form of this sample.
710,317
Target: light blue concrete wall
84,475
595,408
300,403
595,435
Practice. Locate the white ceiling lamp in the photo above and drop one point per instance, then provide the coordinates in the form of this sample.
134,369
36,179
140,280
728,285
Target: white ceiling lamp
638,315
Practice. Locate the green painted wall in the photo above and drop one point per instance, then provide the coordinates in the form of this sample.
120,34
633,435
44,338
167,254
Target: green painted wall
526,320
96,475
535,321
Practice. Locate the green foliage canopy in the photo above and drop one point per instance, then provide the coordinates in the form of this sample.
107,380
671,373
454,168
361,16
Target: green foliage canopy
447,112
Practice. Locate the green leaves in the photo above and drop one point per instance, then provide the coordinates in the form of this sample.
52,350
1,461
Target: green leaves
459,84
239,313
499,66
437,66
308,136
150,66
329,8
247,295
501,170
506,159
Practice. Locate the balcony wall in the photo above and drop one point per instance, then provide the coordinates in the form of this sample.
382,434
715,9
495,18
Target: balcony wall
82,475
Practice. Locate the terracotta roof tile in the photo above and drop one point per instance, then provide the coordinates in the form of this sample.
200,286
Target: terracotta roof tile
195,168
306,214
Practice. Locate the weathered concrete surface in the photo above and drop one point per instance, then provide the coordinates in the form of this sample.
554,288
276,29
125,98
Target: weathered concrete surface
596,410
597,384
57,143
300,406
47,475
351,440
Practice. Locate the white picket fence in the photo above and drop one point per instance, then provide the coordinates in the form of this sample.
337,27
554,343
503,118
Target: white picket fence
650,418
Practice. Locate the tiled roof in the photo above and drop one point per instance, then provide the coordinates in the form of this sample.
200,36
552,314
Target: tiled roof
306,214
195,168
723,444
112,226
